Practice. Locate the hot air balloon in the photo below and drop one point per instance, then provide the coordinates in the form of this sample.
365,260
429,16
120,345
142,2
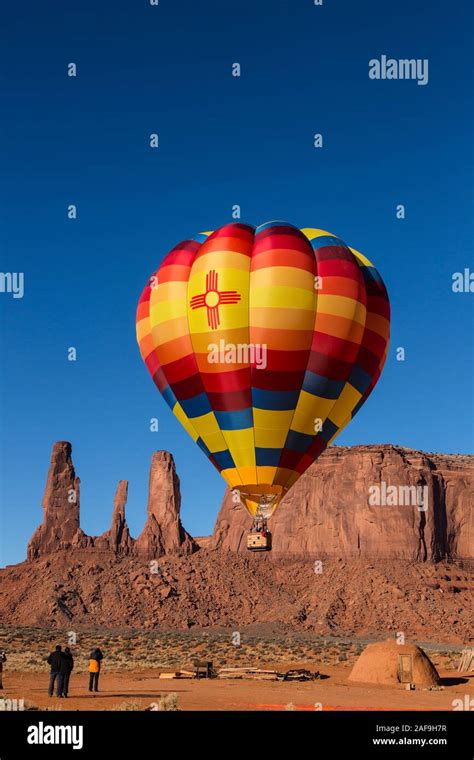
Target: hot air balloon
265,342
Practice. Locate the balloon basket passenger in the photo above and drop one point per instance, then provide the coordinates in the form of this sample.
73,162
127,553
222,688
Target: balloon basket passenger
259,538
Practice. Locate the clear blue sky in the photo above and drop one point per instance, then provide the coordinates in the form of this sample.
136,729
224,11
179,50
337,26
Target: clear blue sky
223,141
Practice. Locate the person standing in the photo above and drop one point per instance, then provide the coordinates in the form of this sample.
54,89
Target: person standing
95,660
67,667
55,660
3,658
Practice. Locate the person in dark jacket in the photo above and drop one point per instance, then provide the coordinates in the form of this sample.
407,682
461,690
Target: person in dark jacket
67,666
3,658
55,660
95,659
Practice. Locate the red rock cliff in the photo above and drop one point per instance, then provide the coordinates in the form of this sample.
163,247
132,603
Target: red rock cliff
327,512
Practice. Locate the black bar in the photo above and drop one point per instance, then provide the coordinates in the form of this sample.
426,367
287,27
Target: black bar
139,734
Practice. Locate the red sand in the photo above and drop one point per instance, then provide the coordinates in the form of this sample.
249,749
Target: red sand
144,687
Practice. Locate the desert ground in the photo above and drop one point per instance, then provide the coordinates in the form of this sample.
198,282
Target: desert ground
134,660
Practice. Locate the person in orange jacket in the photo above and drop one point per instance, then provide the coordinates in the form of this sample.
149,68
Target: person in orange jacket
95,659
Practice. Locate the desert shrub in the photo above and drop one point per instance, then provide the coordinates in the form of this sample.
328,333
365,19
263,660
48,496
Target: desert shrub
128,705
167,703
30,706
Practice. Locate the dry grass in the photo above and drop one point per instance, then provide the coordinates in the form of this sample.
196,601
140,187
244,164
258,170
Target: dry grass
27,649
128,705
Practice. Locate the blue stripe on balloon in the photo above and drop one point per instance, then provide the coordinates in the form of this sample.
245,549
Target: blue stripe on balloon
274,400
370,274
318,385
224,459
236,420
196,406
329,428
267,457
326,240
203,447
359,379
169,397
298,441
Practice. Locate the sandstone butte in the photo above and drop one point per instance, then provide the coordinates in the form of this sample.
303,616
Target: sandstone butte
327,513
340,566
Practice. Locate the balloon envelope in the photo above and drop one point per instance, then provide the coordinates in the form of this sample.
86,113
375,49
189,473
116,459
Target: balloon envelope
265,342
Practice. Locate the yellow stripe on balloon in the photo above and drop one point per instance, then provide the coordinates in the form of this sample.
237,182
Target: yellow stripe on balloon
346,403
341,306
363,259
311,233
184,420
309,409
